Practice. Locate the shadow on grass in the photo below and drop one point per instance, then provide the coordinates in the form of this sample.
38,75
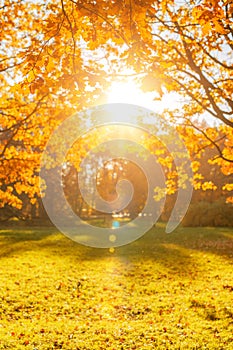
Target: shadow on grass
16,234
15,240
218,241
172,251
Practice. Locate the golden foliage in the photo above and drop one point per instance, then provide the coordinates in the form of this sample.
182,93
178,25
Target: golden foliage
57,58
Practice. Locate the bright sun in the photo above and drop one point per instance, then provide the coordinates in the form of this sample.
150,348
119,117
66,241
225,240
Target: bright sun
130,92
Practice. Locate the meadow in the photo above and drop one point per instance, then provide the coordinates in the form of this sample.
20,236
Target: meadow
163,291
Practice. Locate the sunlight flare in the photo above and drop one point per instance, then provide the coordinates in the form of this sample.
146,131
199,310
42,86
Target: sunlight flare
131,93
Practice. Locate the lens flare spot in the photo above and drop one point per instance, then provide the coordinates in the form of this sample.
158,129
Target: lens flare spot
112,238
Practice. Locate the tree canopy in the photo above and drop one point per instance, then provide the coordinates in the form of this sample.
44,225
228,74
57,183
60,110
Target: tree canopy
59,57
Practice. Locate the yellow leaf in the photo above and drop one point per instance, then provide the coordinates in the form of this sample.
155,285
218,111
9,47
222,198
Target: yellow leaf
228,187
219,28
195,166
31,76
229,200
50,64
206,28
208,185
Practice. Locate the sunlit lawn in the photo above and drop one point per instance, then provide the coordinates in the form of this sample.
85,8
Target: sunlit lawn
163,291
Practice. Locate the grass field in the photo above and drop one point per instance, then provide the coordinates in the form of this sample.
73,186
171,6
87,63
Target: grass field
161,292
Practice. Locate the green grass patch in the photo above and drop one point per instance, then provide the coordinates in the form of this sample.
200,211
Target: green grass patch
164,291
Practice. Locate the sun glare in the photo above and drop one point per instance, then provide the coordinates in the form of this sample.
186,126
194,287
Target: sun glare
129,92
